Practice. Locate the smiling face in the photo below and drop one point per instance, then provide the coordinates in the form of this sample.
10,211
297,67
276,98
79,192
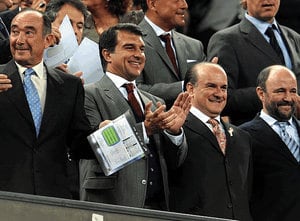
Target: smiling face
167,14
210,91
264,10
27,42
128,58
280,96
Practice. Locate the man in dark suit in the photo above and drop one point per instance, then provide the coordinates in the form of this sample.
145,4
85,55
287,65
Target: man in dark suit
160,77
244,50
35,135
143,183
276,177
215,177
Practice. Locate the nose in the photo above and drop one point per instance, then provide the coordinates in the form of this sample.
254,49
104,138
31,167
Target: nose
184,4
20,39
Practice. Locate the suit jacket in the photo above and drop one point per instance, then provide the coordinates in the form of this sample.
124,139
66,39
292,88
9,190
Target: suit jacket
128,186
243,52
276,175
207,183
159,77
37,165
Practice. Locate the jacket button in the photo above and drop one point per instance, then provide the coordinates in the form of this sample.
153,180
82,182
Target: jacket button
144,182
229,205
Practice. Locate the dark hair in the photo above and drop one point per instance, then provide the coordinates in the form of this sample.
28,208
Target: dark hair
46,21
263,77
191,76
54,6
118,7
144,5
109,38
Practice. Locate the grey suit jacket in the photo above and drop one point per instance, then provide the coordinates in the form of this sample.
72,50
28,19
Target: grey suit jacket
159,77
243,52
276,175
127,187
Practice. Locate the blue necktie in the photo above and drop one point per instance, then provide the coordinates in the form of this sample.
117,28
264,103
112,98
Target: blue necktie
33,99
288,140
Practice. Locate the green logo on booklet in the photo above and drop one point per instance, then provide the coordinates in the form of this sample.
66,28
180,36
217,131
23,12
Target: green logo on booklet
110,136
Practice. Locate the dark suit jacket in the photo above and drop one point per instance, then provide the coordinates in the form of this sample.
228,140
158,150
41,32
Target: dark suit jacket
207,183
37,165
159,77
276,175
243,52
127,187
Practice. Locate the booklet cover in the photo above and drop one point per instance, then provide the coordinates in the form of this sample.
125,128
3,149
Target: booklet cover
116,145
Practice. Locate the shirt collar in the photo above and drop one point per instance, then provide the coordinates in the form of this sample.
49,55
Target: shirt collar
38,69
117,80
270,120
201,116
158,31
261,25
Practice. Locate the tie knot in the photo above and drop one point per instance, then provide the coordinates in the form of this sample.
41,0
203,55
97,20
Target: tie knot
129,87
270,31
282,124
213,122
165,37
29,72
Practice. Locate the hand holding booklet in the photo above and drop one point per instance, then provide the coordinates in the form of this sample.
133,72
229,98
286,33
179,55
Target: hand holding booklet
116,145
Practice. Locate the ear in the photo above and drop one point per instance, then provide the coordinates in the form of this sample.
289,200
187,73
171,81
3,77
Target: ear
106,55
189,88
151,4
260,93
49,40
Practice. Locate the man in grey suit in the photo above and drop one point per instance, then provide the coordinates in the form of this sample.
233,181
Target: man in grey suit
276,177
143,183
244,50
159,76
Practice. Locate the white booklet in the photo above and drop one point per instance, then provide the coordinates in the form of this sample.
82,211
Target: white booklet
116,145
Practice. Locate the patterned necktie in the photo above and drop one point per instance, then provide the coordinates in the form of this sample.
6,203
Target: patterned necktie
167,39
288,140
133,102
274,43
33,99
220,135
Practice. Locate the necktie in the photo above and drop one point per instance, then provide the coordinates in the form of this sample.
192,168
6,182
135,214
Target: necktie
167,39
274,43
33,99
134,103
3,29
288,140
220,135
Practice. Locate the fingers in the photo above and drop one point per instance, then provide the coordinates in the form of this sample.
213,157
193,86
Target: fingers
5,83
104,123
215,60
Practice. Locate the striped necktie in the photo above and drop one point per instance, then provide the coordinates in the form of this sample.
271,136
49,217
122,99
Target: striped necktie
288,140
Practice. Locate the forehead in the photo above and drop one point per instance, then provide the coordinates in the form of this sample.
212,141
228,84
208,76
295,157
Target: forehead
281,79
212,74
125,37
27,19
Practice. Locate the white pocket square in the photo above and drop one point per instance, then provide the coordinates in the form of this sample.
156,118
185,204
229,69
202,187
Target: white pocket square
190,61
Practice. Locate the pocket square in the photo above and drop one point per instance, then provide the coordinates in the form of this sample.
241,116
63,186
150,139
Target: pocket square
190,61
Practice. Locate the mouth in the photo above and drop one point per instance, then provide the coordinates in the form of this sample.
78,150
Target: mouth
268,5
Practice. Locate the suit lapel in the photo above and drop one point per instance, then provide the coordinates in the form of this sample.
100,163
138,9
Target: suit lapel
153,41
198,127
180,53
257,40
263,130
52,102
17,95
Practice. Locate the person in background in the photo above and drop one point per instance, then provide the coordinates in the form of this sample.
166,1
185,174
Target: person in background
42,114
144,183
166,63
5,5
214,179
258,41
275,134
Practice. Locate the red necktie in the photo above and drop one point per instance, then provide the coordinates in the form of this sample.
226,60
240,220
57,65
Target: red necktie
134,103
167,39
220,135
